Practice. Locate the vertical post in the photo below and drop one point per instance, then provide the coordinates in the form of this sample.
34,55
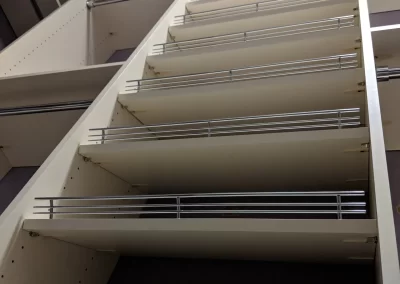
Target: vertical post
340,62
340,119
178,208
230,75
209,129
256,7
51,208
138,85
163,48
339,23
245,36
103,134
339,206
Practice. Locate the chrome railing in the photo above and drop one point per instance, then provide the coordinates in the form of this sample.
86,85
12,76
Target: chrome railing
263,6
298,67
299,121
261,34
336,204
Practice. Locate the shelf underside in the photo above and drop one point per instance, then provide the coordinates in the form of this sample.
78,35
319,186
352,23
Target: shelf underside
309,160
275,240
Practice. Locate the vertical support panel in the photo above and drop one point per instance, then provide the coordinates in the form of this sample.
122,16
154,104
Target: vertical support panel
36,259
389,262
58,42
49,179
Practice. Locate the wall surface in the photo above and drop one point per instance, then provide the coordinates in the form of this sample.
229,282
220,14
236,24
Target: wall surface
21,15
393,160
176,271
12,183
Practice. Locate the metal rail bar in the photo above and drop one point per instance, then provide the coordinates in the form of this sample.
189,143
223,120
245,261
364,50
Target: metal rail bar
241,10
347,204
207,212
260,34
34,109
236,119
314,65
212,195
340,118
235,204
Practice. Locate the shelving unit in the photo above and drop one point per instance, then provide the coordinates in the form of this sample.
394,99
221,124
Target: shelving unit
291,116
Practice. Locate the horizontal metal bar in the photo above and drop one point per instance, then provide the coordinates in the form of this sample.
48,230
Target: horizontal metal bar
232,126
334,19
236,119
212,195
242,204
253,78
319,59
209,212
45,108
246,131
178,47
240,10
237,77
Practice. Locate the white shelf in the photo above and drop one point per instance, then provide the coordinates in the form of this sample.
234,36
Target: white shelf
260,20
309,160
207,5
274,240
53,87
259,52
308,92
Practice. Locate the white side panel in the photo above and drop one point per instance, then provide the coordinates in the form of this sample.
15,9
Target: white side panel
48,180
45,260
4,165
389,264
58,42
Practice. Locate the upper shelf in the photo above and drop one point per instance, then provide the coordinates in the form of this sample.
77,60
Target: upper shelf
274,240
219,23
308,160
197,6
305,40
54,87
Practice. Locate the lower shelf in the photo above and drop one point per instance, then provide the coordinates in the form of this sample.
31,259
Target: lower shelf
275,240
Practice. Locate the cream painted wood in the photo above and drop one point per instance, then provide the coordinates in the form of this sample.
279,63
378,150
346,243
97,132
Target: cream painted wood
310,92
253,53
253,21
389,264
59,42
311,160
4,164
49,179
263,239
45,260
29,139
377,6
52,87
